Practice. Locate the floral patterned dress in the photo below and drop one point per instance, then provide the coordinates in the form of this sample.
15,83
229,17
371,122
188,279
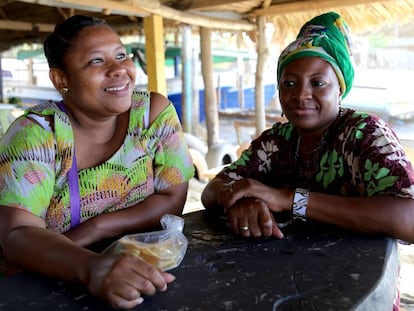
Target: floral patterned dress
35,160
358,156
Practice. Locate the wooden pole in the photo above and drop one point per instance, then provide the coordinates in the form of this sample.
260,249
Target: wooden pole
262,53
1,81
155,54
196,90
186,93
240,72
30,75
210,100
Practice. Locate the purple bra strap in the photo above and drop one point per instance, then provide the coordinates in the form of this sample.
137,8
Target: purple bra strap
73,183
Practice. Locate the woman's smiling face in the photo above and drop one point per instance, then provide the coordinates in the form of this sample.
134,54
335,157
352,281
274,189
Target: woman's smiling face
98,72
310,94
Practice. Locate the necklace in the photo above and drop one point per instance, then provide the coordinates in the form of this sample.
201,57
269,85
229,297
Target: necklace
314,151
341,113
308,166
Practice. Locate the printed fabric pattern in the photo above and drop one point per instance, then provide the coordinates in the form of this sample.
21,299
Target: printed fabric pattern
360,155
34,163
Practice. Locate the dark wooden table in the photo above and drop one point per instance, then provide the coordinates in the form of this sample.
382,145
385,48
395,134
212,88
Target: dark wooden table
315,267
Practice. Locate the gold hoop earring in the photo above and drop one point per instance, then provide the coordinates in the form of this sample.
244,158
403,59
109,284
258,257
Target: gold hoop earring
64,90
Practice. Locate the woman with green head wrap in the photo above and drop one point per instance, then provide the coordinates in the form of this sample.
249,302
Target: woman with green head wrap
325,36
327,164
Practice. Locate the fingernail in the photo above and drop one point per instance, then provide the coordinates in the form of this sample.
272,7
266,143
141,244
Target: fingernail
170,278
268,224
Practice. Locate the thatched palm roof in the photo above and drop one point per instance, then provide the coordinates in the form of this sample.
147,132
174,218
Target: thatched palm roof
361,19
31,20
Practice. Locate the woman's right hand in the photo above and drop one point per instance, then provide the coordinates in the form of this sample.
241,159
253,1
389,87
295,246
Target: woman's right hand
252,217
121,280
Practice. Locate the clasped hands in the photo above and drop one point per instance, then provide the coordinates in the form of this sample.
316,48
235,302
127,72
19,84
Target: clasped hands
249,206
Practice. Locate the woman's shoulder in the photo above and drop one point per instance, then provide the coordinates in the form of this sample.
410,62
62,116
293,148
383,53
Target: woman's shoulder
151,102
351,115
37,117
46,108
158,103
351,119
364,129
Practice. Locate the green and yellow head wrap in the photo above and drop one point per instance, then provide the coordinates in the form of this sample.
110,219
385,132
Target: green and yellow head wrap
324,36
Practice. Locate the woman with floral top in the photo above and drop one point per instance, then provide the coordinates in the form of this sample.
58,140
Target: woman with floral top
105,161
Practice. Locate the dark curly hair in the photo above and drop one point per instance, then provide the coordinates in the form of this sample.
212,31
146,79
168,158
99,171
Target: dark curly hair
62,38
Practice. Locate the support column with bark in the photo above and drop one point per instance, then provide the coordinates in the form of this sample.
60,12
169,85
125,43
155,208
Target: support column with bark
262,54
210,100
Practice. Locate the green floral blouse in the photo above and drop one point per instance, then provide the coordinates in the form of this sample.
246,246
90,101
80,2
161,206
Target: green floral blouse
34,163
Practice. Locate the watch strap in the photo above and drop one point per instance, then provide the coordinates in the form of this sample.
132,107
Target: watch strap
300,202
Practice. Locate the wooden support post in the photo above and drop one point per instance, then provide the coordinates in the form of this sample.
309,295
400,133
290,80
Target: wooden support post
210,99
186,94
1,81
155,54
262,54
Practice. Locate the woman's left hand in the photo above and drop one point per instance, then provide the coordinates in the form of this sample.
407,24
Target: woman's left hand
251,217
277,200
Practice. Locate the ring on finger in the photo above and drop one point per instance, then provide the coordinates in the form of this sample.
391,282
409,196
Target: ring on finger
244,228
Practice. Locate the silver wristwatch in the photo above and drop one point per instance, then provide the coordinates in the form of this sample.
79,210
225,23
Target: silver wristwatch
300,202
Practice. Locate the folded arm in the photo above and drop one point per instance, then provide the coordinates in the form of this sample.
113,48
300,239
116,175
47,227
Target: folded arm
392,216
378,214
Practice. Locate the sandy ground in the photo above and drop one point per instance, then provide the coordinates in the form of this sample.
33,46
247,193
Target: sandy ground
406,251
407,277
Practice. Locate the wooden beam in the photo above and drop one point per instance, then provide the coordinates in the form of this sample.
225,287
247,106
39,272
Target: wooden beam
155,7
266,3
143,8
206,4
63,13
303,6
3,14
24,26
115,7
